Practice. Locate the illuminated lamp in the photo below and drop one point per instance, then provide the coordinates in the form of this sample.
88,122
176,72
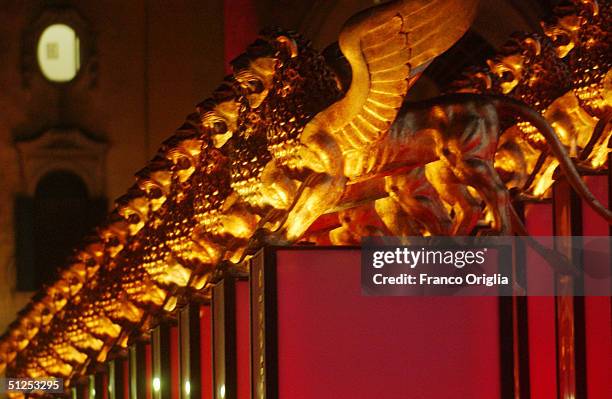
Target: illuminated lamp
59,53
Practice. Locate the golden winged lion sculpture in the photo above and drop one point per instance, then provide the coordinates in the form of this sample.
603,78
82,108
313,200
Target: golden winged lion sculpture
448,142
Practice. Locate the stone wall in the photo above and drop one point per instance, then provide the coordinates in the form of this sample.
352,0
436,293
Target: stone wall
152,62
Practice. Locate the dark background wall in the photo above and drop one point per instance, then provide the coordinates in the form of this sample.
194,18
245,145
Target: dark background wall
152,62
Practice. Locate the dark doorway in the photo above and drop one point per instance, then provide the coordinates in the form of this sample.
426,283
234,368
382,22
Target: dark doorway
51,224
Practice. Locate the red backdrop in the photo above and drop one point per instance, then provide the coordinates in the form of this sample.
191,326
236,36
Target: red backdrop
335,343
243,376
206,352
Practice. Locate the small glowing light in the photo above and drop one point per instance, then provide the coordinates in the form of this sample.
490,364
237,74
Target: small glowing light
156,384
58,53
93,393
187,387
222,391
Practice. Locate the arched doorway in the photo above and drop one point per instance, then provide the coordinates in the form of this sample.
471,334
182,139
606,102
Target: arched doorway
50,224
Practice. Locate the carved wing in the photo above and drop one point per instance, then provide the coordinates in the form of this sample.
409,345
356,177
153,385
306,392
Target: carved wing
388,46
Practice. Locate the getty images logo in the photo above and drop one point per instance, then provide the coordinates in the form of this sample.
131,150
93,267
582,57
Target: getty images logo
413,258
